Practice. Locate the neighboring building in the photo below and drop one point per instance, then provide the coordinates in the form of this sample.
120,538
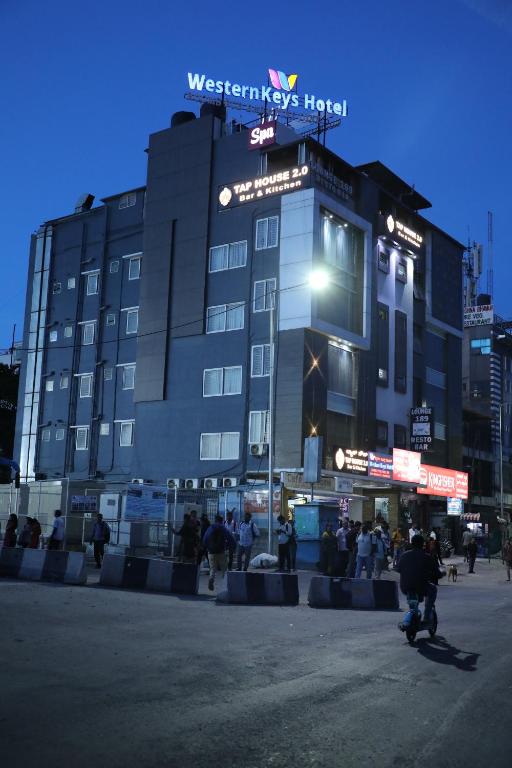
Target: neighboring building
147,319
12,356
9,382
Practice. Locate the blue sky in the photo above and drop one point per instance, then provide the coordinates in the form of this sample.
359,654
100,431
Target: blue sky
82,86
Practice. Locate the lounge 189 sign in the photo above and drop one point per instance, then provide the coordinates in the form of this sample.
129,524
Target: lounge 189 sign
249,190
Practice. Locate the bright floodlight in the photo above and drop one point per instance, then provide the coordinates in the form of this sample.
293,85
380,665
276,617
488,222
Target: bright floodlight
319,279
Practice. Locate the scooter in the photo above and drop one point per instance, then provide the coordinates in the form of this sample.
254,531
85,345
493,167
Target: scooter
413,622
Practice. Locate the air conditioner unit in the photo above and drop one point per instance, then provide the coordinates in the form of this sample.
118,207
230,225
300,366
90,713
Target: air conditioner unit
137,480
229,482
174,482
191,483
211,482
258,449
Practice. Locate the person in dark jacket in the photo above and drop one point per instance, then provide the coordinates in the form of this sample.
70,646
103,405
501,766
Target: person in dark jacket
328,551
204,524
10,531
189,539
100,536
472,550
35,534
216,541
26,534
418,573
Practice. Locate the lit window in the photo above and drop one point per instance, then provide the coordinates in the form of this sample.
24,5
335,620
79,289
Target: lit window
126,201
481,346
132,320
229,256
126,434
68,331
225,317
59,434
134,268
114,267
384,261
129,377
88,331
264,295
267,231
258,426
104,428
260,360
219,445
383,374
71,283
49,385
86,385
53,336
92,283
82,438
401,269
64,381
222,381
45,434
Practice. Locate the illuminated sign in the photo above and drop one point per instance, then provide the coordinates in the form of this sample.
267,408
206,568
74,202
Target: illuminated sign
454,506
406,466
350,460
422,422
482,315
397,228
289,180
380,465
279,94
263,134
439,481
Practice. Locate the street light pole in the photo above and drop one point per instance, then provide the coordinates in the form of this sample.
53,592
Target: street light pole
270,425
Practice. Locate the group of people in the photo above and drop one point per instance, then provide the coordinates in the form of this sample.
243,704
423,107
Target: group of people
28,537
356,546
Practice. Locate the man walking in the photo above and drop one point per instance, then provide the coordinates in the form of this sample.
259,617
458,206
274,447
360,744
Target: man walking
472,550
100,536
216,540
284,533
466,538
248,533
341,537
56,540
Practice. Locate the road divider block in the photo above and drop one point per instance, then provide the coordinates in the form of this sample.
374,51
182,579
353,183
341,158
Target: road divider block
256,588
43,565
149,574
357,594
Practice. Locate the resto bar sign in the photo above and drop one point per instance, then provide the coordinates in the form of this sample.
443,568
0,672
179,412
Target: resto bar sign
288,180
439,481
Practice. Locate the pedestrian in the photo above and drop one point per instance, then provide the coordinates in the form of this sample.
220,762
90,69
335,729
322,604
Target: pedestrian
328,551
414,530
380,556
10,531
439,553
507,556
99,537
364,553
248,532
56,540
203,525
292,545
231,527
189,540
343,553
352,535
283,532
472,550
35,534
216,540
398,545
466,538
26,534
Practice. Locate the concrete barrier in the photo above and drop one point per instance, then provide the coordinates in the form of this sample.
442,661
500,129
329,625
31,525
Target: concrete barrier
256,588
149,573
43,565
362,594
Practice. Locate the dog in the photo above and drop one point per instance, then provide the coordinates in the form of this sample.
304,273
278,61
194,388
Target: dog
452,573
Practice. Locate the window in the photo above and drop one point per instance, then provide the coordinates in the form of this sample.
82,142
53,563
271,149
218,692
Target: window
59,434
340,370
439,431
71,283
64,381
45,434
258,426
381,436
481,346
104,428
264,295
222,381
88,330
82,438
436,378
114,267
260,360
128,377
382,345
401,269
382,376
107,374
230,256
225,317
93,279
86,385
417,338
126,201
267,231
111,319
400,352
68,331
134,268
53,336
219,445
126,434
383,260
57,288
49,385
132,320
400,436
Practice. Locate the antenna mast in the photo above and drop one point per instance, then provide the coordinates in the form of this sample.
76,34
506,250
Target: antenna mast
490,271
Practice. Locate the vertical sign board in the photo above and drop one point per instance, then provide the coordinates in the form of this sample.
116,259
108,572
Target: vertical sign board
406,466
422,428
313,459
454,506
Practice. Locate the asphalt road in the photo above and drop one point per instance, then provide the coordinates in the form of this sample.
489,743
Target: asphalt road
100,677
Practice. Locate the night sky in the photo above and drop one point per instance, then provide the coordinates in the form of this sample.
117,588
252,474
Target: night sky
83,85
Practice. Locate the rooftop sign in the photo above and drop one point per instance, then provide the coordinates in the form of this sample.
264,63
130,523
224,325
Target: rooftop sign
481,315
249,190
398,229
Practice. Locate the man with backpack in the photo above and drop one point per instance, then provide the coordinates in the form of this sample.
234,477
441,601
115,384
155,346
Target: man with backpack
100,536
248,533
216,540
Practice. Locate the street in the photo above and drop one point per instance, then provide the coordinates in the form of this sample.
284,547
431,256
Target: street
101,677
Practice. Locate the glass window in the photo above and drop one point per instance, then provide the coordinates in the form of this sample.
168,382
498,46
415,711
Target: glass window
88,330
104,428
68,331
401,269
237,254
260,360
382,433
219,445
126,201
86,385
481,346
383,260
400,436
107,374
129,377
267,231
111,319
212,382
222,381
114,266
233,380
219,258
340,370
82,438
225,317
53,336
45,434
258,426
229,442
64,381
264,294
49,385
235,316
92,283
439,431
134,268
59,434
126,434
132,320
436,378
71,283
210,445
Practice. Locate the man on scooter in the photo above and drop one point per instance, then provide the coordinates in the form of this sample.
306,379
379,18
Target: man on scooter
418,571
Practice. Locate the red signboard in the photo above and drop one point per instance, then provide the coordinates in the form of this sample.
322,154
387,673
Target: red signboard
406,466
439,481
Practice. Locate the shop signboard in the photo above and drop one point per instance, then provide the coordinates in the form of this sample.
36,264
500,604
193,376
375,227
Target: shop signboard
262,135
84,503
454,506
422,428
405,233
480,315
259,187
380,465
439,481
351,460
406,466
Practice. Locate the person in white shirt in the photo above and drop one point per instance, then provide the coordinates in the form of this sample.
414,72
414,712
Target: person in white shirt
248,533
284,533
56,539
413,531
341,537
365,542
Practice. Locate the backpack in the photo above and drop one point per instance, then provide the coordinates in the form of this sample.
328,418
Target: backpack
215,543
